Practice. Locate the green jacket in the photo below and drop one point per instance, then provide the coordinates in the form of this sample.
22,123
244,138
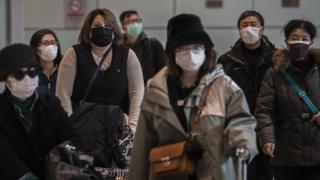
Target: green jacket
225,123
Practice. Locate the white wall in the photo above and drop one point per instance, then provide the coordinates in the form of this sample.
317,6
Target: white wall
3,23
3,30
220,23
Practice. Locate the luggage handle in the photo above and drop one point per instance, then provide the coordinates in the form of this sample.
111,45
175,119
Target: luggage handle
243,155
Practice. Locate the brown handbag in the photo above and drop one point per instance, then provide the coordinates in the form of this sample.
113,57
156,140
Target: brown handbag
171,160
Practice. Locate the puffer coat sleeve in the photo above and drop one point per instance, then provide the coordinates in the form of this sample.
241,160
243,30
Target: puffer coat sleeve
265,110
240,124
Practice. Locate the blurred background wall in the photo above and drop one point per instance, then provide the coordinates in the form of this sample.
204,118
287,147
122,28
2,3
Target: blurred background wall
20,18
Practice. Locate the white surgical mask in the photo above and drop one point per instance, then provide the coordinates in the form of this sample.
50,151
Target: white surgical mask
24,88
190,60
48,53
250,35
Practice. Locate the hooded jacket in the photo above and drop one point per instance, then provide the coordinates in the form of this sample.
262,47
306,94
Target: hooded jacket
225,123
283,118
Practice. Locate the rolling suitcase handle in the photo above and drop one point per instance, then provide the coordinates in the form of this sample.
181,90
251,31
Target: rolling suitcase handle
242,154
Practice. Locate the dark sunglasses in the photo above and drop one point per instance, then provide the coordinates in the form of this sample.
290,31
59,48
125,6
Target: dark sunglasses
32,72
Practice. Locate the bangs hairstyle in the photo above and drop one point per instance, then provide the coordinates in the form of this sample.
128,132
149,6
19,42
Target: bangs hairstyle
36,40
84,36
248,13
208,65
127,14
294,24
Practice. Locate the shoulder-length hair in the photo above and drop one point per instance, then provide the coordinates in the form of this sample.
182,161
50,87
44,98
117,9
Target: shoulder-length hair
84,36
208,65
35,41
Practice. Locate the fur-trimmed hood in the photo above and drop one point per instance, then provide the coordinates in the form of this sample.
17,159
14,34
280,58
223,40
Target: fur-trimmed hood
281,59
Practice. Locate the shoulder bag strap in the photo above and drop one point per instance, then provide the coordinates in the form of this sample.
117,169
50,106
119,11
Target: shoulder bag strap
301,93
196,117
94,75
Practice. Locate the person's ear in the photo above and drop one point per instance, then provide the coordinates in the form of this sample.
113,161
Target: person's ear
286,43
311,45
262,29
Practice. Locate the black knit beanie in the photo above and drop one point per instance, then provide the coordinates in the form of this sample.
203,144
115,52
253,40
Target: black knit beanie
14,57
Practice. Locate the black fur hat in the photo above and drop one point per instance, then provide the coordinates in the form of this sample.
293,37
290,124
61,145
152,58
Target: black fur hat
186,29
15,57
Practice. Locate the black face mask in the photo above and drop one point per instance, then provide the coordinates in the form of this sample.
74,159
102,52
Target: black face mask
101,36
298,50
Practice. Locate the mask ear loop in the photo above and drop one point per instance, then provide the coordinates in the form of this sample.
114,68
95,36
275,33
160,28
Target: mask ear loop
311,45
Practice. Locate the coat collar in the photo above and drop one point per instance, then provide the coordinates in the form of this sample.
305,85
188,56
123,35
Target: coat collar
157,100
140,40
281,59
236,50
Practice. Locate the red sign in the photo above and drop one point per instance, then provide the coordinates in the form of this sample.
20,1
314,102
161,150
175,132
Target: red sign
75,7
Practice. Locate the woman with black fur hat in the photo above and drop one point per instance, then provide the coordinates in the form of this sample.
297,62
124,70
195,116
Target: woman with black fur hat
193,94
30,124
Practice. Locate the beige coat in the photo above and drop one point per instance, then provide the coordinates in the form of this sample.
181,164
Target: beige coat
225,123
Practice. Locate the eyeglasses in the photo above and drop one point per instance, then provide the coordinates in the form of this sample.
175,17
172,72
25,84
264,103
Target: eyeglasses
31,71
130,21
185,50
47,43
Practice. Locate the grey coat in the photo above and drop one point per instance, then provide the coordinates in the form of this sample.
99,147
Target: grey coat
284,119
225,123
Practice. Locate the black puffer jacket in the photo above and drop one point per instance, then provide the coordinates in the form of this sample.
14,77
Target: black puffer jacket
284,119
235,65
22,152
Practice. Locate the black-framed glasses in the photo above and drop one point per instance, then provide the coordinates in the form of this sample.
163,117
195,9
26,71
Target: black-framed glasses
31,71
130,21
47,43
185,50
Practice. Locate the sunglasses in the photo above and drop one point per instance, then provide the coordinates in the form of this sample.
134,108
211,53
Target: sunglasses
32,72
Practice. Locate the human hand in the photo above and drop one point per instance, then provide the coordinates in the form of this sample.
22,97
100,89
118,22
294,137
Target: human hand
316,118
268,149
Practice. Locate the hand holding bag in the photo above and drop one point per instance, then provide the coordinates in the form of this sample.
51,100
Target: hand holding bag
126,142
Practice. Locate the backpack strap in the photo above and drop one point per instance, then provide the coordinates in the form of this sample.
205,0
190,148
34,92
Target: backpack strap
301,93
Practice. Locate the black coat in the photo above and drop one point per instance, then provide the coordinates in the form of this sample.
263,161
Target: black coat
21,152
151,55
237,68
284,119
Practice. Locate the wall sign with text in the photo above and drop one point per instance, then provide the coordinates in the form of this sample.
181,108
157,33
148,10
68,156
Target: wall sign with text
290,3
214,3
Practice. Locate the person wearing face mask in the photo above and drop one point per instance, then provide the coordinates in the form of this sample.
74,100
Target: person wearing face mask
288,129
46,46
31,124
149,50
171,101
119,81
246,63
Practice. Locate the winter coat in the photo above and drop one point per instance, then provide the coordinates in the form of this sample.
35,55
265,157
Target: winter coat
237,68
283,118
151,55
21,152
225,123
